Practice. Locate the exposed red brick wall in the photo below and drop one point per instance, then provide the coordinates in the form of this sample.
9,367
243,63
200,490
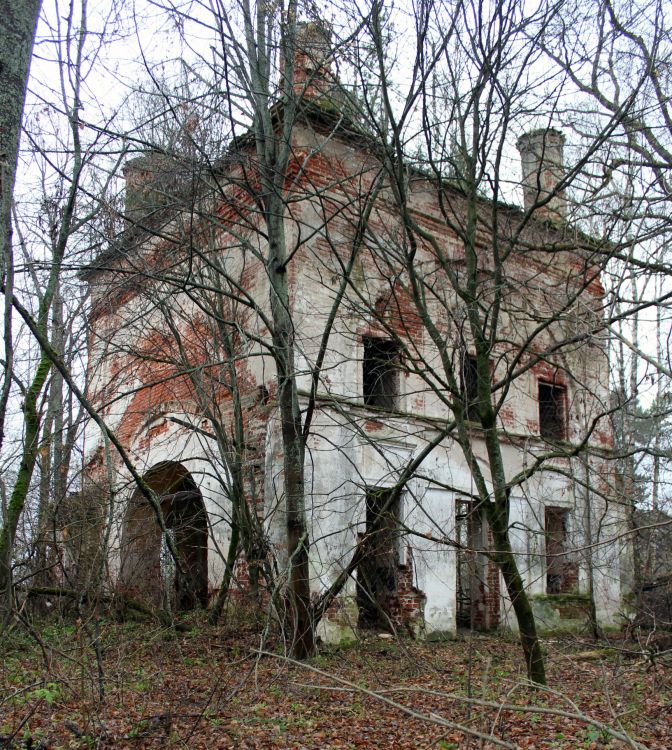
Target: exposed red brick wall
409,608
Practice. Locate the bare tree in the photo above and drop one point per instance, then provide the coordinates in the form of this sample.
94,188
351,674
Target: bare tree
256,183
31,408
617,56
50,224
492,314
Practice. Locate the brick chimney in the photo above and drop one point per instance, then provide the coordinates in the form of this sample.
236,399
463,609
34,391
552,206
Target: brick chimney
542,159
313,75
154,182
139,176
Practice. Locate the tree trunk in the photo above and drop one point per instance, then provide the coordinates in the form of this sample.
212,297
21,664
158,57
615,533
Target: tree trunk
302,638
298,594
529,640
18,21
223,593
22,484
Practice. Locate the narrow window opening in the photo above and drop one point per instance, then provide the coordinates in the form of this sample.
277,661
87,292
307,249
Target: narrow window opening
381,374
552,411
470,387
561,573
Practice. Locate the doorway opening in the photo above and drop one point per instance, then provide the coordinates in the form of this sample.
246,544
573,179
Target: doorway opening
148,569
378,569
561,572
477,577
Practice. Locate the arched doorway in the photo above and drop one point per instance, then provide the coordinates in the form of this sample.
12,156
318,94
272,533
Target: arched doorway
148,570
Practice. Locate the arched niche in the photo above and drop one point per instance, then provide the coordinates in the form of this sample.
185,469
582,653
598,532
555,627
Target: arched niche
148,570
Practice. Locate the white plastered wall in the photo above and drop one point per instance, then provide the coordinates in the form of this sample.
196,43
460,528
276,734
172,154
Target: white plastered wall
176,444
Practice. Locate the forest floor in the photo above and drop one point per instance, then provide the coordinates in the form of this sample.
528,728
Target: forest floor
211,688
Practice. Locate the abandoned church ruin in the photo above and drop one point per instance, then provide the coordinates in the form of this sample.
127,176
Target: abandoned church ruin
181,368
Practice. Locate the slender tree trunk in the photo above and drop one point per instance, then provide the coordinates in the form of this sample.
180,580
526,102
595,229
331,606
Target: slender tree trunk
302,636
51,452
497,513
45,507
22,484
218,605
584,493
18,22
659,422
529,639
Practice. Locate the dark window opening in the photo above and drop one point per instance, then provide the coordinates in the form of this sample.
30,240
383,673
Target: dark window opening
552,411
378,568
381,374
561,573
264,395
468,536
470,387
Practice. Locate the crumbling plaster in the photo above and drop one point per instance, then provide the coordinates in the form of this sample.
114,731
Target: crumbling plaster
350,448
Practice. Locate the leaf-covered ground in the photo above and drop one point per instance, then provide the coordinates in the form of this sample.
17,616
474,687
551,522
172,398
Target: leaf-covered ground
211,688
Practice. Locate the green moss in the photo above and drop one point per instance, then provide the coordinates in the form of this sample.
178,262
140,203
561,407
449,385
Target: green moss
560,612
560,599
441,635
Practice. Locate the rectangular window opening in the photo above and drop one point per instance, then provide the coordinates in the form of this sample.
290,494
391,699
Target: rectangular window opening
552,411
381,372
477,595
469,387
